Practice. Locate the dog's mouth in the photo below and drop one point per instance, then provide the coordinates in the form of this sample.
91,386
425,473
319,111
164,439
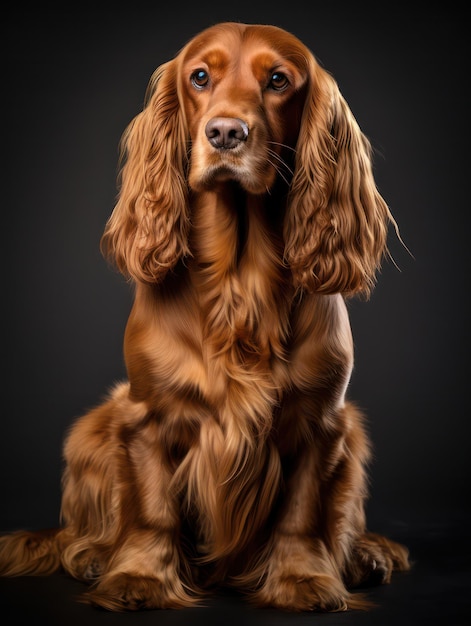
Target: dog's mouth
224,174
254,178
221,173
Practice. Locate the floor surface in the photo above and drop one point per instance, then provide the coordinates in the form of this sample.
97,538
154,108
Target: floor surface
436,592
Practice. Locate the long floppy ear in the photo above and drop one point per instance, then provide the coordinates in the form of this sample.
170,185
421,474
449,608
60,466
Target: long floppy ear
336,224
147,232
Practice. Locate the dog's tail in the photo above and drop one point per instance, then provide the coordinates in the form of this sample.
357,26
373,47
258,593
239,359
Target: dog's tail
29,553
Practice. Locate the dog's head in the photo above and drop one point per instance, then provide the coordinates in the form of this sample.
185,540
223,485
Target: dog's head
250,104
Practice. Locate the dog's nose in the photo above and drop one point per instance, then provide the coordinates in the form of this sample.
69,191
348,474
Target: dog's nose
226,132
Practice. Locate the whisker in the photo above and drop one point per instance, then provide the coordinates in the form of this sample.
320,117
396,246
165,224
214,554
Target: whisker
278,171
281,160
283,145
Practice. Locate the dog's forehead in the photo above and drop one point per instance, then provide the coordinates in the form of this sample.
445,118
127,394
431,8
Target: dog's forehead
222,42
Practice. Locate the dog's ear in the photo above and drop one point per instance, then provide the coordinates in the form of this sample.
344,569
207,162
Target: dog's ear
336,225
147,232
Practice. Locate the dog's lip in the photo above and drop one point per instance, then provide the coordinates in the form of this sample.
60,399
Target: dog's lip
225,173
226,163
224,170
221,173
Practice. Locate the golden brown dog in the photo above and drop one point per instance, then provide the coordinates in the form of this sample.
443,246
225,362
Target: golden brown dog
247,213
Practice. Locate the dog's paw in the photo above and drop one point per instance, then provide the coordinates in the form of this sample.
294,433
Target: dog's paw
318,592
301,575
374,559
127,592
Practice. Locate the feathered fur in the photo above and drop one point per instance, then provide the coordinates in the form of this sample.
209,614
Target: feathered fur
247,213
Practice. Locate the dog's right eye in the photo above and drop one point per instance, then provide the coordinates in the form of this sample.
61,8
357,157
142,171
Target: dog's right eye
200,79
278,81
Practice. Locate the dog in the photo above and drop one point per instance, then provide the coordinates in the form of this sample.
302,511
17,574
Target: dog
247,215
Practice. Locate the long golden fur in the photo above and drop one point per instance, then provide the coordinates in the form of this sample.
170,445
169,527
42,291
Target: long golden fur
247,214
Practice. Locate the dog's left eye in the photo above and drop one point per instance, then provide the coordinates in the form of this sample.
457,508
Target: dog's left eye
278,81
199,79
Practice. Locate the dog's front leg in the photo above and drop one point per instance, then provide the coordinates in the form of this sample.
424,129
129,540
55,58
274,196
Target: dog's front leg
301,573
145,567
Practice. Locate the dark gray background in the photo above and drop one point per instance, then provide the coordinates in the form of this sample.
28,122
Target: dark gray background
72,81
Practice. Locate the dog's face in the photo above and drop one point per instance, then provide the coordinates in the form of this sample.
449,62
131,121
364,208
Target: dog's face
242,90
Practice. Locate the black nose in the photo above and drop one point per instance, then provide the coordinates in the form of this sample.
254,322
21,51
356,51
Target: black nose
226,132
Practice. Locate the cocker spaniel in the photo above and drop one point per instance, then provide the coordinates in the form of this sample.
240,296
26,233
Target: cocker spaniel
247,213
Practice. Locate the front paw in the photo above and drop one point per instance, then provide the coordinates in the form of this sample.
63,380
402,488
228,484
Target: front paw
293,592
127,592
301,575
374,559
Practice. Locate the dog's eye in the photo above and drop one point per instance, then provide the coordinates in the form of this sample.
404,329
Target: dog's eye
278,81
199,79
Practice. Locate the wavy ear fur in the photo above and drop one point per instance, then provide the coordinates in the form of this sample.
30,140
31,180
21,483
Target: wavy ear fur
336,225
147,232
